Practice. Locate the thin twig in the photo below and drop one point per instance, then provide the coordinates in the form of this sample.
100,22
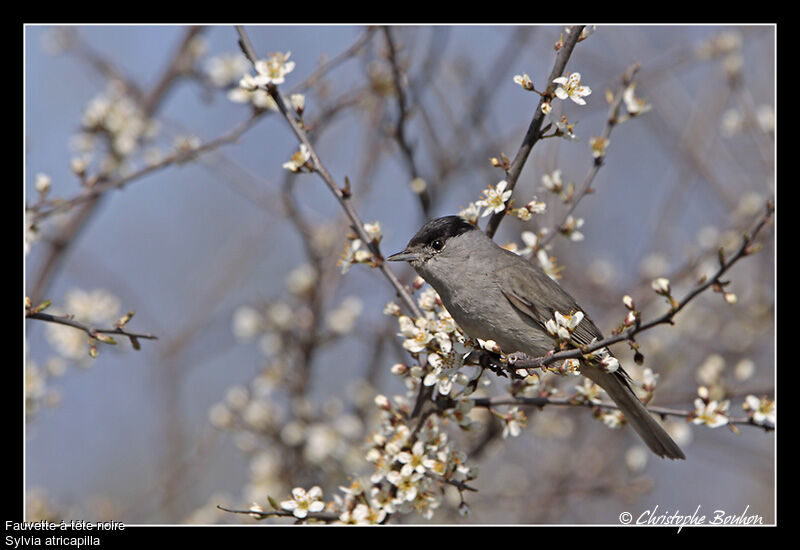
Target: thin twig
544,401
534,130
666,318
342,197
260,514
178,157
402,118
80,218
90,330
586,188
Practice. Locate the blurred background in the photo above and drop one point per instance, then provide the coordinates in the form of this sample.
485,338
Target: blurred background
268,357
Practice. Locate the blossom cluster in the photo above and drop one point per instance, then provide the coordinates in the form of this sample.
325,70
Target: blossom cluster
116,115
37,391
409,468
253,89
562,327
438,344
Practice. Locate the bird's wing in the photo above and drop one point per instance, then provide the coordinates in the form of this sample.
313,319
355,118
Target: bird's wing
528,290
527,287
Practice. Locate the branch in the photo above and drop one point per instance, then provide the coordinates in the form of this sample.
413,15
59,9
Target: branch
85,213
177,157
534,130
402,118
661,411
257,514
613,119
342,195
90,330
667,318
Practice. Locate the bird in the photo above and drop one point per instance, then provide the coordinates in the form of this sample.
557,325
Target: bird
495,294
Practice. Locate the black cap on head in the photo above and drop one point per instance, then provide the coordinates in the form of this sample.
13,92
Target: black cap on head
441,228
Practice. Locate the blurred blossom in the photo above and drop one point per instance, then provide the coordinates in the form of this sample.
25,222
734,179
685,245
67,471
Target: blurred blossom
709,372
259,98
301,279
722,43
552,182
342,319
246,323
636,458
418,185
471,213
321,442
744,370
259,414
226,69
95,308
680,431
293,433
280,316
237,397
731,122
298,160
633,104
220,416
765,117
612,419
270,344
750,204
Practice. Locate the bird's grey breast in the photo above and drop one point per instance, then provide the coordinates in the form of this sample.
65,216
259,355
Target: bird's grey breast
465,277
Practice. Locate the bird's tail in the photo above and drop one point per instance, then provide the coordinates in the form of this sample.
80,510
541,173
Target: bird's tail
635,412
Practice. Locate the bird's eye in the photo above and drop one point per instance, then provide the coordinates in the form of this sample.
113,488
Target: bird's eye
437,244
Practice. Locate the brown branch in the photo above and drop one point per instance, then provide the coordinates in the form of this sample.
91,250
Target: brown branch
256,514
336,61
402,119
534,130
90,330
342,197
78,220
544,401
586,188
667,318
49,208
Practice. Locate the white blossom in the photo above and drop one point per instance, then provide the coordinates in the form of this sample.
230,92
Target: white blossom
515,420
303,502
471,213
524,80
495,198
633,104
761,409
661,285
225,69
274,69
712,413
571,88
298,159
552,181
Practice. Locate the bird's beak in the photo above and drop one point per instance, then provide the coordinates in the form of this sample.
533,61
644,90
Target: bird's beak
404,256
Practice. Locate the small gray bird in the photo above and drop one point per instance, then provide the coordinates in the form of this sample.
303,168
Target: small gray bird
494,294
